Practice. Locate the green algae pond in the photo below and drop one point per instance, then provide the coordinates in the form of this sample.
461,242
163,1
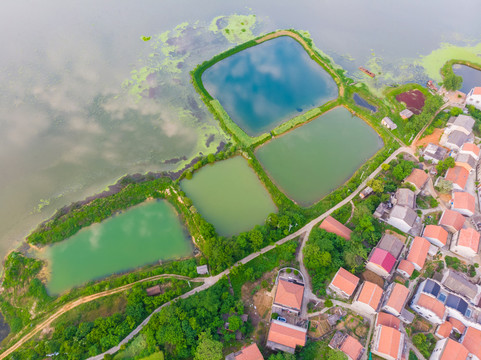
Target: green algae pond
141,235
229,195
309,162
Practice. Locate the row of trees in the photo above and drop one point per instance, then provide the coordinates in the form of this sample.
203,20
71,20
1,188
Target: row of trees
431,105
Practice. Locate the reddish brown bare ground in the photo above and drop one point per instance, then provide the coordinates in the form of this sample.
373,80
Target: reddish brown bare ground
433,138
414,100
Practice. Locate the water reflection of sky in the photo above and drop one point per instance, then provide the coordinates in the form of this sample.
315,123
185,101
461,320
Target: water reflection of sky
471,77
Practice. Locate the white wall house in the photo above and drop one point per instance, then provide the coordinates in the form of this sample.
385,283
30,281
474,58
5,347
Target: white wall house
474,98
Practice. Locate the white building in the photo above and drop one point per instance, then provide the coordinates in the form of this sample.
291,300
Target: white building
474,98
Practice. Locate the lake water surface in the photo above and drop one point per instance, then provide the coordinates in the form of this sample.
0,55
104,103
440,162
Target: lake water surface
309,162
471,77
144,234
267,84
229,195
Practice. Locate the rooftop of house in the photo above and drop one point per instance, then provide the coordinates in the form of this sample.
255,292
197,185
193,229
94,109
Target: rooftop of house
472,341
432,304
476,90
406,266
452,218
418,178
391,124
398,297
444,330
435,151
457,175
468,238
370,294
333,226
466,159
464,121
202,269
456,282
289,294
345,281
250,352
404,213
464,200
351,347
383,259
419,251
457,138
436,232
470,147
286,334
457,325
389,320
389,341
453,351
405,197
406,113
391,244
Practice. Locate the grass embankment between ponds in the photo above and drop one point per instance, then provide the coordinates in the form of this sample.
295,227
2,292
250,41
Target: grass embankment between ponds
447,68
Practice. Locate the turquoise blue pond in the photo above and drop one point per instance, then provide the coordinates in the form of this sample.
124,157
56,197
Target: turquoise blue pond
471,77
267,84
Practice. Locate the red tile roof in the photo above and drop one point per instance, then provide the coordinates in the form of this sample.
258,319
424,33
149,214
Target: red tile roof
389,341
351,347
432,304
389,320
471,147
333,226
452,218
477,91
436,232
383,259
370,294
444,329
398,297
419,251
286,336
289,294
458,175
406,266
464,200
345,281
457,325
250,352
469,238
472,341
418,178
454,351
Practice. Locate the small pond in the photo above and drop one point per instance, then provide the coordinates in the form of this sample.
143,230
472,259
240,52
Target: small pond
471,77
363,102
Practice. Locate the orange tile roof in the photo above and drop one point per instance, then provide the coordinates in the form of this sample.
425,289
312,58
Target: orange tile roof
389,320
469,238
477,91
444,329
398,297
419,251
389,341
351,347
436,232
464,200
472,341
289,294
370,294
452,218
418,178
406,266
333,226
454,351
286,336
432,304
471,147
250,352
457,325
345,281
458,175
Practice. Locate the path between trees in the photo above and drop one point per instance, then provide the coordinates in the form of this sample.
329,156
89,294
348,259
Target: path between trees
209,281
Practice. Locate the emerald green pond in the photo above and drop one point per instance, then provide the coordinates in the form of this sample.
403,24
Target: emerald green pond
230,196
144,234
311,161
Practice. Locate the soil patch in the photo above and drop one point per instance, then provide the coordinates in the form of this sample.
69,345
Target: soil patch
368,275
318,327
421,325
414,100
433,138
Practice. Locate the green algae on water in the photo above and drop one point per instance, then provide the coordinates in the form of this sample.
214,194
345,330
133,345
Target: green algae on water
238,29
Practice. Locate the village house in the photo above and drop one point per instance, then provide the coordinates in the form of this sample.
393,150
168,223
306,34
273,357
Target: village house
289,296
395,299
458,284
406,114
448,349
457,325
472,341
381,262
436,235
466,161
405,197
388,343
344,283
470,149
455,140
474,97
418,178
405,268
462,123
333,226
458,176
368,298
202,270
250,352
434,153
418,252
426,304
452,221
348,345
387,122
444,330
463,203
465,243
389,320
392,244
404,218
366,192
285,337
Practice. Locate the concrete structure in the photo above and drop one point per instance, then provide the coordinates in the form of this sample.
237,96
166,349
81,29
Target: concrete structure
466,161
470,149
366,192
403,218
344,283
466,243
463,123
348,345
418,252
387,122
429,308
454,140
395,299
434,153
448,349
458,175
405,197
285,337
392,244
381,262
463,203
289,296
418,178
444,330
368,298
250,352
333,226
388,343
452,221
202,270
472,341
458,283
406,114
405,268
436,235
474,97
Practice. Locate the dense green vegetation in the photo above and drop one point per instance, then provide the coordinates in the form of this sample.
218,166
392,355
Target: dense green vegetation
424,343
320,350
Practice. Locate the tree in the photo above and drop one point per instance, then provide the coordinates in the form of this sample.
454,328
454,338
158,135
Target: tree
208,348
282,356
452,81
376,185
256,238
235,322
